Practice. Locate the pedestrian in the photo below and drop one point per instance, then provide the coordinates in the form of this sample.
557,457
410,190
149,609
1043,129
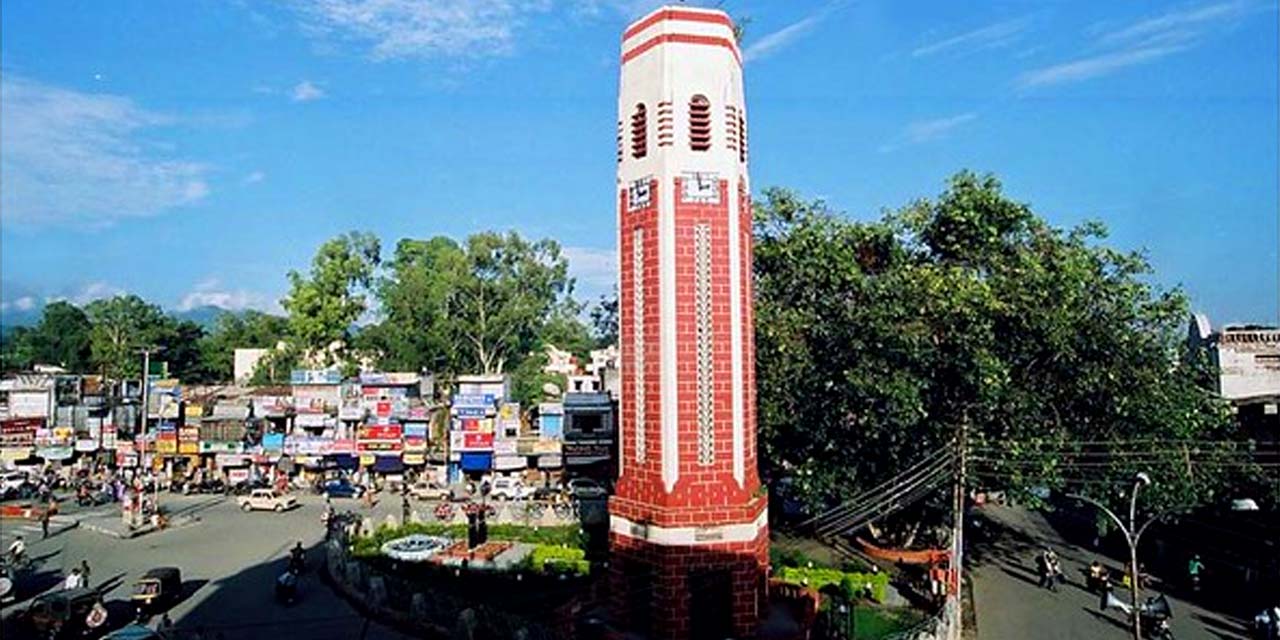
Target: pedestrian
44,523
84,571
73,580
404,509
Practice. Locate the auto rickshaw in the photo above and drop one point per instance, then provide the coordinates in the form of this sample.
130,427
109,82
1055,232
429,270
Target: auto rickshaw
155,589
63,614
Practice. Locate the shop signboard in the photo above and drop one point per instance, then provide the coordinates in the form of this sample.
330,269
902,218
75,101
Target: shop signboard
126,460
367,459
19,432
415,430
230,460
108,437
380,432
504,447
86,445
351,411
273,442
508,463
167,445
236,475
470,412
55,453
477,441
382,409
63,436
344,446
382,446
315,376
473,400
414,458
542,447
220,447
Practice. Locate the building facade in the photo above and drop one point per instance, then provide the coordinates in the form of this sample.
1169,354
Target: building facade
688,524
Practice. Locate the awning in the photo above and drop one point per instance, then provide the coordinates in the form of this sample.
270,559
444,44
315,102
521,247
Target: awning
477,460
345,461
388,464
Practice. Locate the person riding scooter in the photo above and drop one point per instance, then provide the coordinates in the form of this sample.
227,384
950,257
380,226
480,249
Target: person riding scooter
297,558
1097,576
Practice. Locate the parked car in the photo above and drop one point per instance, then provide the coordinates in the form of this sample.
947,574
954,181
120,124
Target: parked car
509,489
16,485
428,491
342,488
586,488
267,500
58,614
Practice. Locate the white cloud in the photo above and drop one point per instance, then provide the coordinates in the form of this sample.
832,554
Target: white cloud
595,269
211,293
87,293
1143,42
927,131
254,177
991,36
81,159
406,29
1093,67
772,42
306,91
25,303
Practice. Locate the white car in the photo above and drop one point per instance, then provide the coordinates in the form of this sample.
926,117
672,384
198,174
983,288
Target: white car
12,481
429,491
580,488
267,500
510,489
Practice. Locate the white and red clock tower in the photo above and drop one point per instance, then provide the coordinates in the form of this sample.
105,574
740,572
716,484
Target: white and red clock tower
687,524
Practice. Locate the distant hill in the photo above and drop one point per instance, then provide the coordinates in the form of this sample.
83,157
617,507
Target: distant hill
206,316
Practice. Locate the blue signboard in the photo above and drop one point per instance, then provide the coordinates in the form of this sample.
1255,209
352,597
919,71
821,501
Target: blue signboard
273,441
473,400
470,412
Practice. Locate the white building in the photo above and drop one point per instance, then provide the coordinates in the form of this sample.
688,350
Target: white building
1248,361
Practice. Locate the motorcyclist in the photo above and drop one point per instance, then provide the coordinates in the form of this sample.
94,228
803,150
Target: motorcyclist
296,556
17,551
1097,574
1194,569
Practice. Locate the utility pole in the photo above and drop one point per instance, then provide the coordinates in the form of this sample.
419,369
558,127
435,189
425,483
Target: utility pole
957,533
146,410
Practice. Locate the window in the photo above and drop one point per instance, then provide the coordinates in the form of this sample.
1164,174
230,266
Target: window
619,141
699,123
742,138
639,133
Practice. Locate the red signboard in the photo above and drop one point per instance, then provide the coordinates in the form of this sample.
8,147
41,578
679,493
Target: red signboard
343,446
20,432
381,432
383,409
477,440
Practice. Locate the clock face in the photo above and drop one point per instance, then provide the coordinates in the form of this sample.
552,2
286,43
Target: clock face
638,194
701,187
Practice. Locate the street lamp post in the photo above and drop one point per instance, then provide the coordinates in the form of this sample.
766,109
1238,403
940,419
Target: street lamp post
146,409
1131,536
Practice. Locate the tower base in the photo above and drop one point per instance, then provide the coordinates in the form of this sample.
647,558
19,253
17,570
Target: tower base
665,590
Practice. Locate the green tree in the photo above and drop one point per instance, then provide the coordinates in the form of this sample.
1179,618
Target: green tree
324,305
181,340
878,341
61,337
604,319
121,326
231,331
415,333
509,287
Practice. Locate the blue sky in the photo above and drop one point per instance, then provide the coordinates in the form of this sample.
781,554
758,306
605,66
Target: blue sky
194,152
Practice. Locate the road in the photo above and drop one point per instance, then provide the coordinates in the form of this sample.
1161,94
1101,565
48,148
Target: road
1009,604
229,561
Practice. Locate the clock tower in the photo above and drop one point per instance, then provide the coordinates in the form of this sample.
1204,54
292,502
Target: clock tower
688,524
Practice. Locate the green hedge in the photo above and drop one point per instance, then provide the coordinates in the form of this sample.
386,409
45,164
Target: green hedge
552,559
850,584
568,536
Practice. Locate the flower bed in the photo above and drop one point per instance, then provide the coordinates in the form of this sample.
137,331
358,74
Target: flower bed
851,584
566,536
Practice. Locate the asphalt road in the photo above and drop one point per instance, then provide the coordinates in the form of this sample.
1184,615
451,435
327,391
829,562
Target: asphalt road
229,561
1008,603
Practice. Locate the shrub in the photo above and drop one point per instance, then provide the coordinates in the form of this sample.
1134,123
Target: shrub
567,536
850,585
547,558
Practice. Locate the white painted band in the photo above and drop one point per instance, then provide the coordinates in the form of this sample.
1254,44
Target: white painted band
689,536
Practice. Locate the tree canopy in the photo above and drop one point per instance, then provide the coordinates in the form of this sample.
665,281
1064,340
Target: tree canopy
325,303
877,341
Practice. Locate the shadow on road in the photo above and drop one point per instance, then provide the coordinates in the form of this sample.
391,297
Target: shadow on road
1106,618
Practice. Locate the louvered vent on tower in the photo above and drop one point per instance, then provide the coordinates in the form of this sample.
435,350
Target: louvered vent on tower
699,123
731,127
639,133
666,125
619,141
742,138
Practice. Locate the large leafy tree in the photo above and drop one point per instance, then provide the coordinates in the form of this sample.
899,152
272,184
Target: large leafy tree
507,290
415,333
604,319
121,326
325,303
231,331
61,337
879,342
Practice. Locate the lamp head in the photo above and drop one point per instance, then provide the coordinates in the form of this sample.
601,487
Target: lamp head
1142,478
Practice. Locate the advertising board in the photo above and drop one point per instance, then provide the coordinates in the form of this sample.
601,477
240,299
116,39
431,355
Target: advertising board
473,400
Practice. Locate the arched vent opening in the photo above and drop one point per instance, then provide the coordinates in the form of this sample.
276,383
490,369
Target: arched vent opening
699,123
639,133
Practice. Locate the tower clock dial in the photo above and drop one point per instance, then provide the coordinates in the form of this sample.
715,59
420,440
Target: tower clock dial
701,186
638,194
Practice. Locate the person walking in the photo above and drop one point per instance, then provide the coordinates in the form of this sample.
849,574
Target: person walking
404,507
44,523
84,572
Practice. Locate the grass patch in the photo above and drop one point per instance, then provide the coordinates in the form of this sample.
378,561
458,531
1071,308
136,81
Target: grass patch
849,584
553,559
570,536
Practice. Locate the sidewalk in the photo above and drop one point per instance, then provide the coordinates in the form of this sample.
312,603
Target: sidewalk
32,530
180,510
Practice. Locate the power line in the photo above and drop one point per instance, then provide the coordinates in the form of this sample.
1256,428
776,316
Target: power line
932,459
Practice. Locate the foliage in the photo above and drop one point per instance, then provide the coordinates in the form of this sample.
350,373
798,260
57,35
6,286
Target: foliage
415,333
231,331
604,319
877,341
851,585
554,559
61,337
324,304
121,326
528,379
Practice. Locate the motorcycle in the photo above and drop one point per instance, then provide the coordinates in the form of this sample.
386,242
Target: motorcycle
287,587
